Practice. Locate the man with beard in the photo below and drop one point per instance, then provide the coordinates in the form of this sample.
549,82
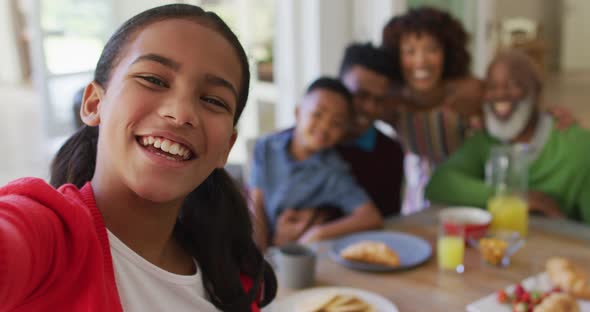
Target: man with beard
376,160
559,172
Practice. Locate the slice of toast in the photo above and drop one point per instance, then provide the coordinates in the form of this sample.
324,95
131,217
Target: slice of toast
332,302
317,302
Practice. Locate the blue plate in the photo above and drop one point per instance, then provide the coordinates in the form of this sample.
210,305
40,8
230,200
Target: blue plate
412,250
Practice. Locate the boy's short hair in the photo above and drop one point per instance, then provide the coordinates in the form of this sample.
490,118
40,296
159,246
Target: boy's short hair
330,84
370,57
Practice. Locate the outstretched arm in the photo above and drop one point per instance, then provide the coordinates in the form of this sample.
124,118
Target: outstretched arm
27,237
563,117
465,96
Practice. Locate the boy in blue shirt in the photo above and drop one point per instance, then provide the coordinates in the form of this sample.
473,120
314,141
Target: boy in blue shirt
296,173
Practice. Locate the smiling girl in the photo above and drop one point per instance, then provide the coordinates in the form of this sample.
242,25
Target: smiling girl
150,221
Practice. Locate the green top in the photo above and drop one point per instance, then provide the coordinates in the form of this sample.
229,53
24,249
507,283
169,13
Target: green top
561,170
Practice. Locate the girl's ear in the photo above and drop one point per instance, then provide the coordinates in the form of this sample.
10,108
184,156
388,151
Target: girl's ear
232,140
89,111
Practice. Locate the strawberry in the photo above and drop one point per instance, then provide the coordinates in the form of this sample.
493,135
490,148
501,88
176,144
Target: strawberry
536,297
518,290
511,298
502,296
525,297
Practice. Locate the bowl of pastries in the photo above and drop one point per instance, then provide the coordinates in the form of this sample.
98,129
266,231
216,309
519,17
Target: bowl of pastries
496,247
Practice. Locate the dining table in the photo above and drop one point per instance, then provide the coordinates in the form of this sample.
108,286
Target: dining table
426,288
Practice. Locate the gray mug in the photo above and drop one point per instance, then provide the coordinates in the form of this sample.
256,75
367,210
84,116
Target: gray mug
296,266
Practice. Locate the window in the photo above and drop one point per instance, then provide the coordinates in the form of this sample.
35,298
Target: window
73,32
254,24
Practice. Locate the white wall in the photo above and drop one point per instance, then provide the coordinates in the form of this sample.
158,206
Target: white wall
124,9
547,12
312,37
370,16
575,43
481,14
11,72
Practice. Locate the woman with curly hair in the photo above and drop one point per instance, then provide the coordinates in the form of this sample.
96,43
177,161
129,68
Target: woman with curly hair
435,94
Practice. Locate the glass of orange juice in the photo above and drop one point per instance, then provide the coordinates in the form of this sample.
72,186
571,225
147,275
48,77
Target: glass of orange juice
450,246
507,174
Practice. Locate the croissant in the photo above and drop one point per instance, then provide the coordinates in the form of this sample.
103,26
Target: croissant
558,302
371,252
569,277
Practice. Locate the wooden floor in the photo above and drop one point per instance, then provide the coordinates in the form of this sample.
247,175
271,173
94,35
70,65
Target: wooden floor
26,152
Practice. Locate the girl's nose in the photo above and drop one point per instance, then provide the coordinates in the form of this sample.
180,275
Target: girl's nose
180,112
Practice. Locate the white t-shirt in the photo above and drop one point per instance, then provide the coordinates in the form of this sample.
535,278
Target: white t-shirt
145,287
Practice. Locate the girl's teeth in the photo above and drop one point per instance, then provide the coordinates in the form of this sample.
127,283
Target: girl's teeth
165,145
174,149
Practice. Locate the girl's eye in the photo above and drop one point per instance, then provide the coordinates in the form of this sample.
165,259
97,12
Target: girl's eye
155,81
215,102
